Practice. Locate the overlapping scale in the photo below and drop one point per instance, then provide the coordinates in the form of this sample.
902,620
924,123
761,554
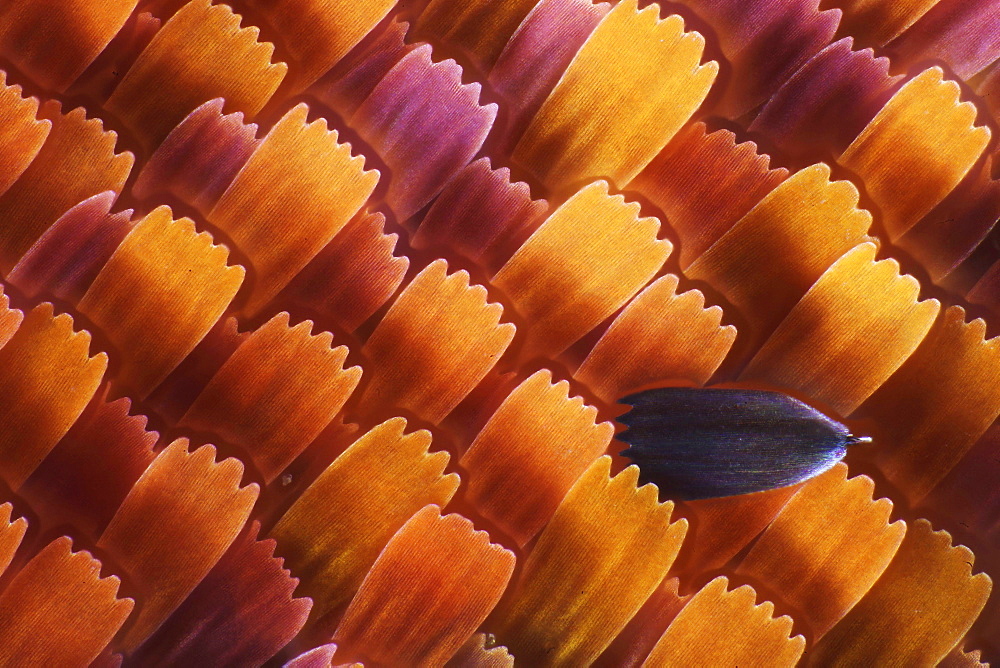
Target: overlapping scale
220,59
568,603
629,89
298,189
917,611
442,578
581,265
173,527
719,626
438,340
659,336
77,160
58,610
530,453
335,530
158,295
826,548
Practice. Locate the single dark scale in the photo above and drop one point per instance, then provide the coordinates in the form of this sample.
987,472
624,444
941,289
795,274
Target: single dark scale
706,443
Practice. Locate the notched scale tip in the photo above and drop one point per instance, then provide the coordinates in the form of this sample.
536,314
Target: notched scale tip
72,251
436,343
526,458
317,34
352,276
588,258
584,131
58,610
179,518
826,104
853,328
769,259
481,215
431,587
200,157
917,611
276,393
22,133
723,627
47,378
707,443
335,530
241,614
481,651
831,520
11,534
158,295
564,610
201,53
299,189
425,124
88,474
705,182
76,161
917,149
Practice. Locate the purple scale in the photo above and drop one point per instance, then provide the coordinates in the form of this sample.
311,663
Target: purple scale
241,614
353,79
425,124
765,41
481,215
200,157
68,256
826,104
536,57
965,34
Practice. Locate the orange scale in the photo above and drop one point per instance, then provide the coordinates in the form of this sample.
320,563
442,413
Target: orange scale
11,534
917,149
588,258
770,258
878,22
10,318
704,182
659,336
58,611
22,134
721,528
630,88
47,378
317,34
431,587
77,161
530,453
89,472
641,634
601,556
200,54
480,652
296,192
480,28
916,613
335,530
719,627
937,405
175,524
275,394
848,334
161,292
826,548
53,41
353,276
437,341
